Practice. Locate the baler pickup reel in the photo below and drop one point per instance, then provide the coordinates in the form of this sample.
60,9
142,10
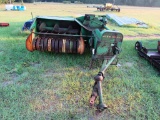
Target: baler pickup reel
73,35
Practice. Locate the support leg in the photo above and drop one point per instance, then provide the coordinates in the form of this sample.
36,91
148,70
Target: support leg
97,88
97,91
101,105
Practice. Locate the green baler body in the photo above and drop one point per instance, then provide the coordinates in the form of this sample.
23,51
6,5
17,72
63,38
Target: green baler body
92,29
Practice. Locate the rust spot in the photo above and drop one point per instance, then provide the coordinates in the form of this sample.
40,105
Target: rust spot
29,43
81,46
91,101
49,44
37,43
34,43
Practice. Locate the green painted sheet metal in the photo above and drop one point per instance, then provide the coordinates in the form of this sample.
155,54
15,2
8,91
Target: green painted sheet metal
56,18
108,40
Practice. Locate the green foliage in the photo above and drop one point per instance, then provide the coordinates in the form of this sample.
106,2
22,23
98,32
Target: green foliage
66,2
78,2
117,2
6,1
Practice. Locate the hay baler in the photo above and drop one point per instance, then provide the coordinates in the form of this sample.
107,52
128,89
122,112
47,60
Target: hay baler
73,35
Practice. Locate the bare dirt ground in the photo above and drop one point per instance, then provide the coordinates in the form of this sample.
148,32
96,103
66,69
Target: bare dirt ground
142,36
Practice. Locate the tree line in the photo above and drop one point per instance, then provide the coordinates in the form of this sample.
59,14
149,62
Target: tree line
149,3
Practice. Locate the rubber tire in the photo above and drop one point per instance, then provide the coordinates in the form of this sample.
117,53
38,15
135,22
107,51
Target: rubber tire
138,46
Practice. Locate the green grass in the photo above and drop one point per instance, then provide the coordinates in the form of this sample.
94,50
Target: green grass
38,85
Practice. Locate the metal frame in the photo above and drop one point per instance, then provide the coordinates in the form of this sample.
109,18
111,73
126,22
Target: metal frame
151,55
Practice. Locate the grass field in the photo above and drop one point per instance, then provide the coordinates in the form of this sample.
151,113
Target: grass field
45,86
